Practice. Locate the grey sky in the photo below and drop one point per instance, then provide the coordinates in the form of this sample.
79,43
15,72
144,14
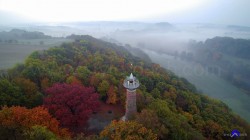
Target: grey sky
234,12
174,11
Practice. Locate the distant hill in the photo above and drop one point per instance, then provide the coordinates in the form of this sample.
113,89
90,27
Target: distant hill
160,27
235,47
239,28
16,34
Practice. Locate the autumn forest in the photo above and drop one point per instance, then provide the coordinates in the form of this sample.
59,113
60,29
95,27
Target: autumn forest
54,93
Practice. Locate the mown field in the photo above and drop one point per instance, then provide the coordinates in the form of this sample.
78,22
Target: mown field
16,52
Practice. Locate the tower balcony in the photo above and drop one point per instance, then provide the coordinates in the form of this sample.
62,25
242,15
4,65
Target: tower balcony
131,83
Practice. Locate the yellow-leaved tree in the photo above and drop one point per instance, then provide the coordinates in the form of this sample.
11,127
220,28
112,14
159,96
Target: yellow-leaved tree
129,130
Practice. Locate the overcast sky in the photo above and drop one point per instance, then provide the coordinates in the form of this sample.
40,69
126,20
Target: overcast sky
174,11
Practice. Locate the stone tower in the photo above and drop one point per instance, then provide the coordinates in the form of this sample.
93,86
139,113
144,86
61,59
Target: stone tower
131,84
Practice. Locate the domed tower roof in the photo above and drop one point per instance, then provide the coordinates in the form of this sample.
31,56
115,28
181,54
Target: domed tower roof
131,83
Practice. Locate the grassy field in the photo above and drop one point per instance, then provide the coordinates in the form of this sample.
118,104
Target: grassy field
12,53
209,84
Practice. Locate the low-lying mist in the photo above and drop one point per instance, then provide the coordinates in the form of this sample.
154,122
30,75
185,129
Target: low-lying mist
212,57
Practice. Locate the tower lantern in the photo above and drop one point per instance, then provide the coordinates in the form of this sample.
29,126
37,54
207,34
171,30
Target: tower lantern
131,84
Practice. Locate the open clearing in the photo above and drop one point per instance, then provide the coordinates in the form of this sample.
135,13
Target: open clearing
12,53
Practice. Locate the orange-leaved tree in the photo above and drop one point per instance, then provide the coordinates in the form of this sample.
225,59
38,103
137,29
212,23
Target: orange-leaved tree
16,120
112,97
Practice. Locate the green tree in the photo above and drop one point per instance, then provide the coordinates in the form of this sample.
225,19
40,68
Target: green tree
34,70
84,74
176,124
150,120
140,100
156,93
161,86
98,61
38,132
103,88
10,94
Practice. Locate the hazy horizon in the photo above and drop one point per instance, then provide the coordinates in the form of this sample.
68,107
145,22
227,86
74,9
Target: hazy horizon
194,11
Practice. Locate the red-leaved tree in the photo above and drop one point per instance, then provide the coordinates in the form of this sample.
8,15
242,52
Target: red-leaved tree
71,104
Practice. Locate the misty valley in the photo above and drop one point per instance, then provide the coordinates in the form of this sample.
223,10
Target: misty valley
206,82
194,80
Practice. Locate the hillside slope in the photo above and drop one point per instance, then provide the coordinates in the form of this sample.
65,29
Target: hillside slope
168,105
